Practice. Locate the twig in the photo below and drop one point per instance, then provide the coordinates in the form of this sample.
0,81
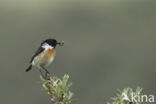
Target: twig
57,89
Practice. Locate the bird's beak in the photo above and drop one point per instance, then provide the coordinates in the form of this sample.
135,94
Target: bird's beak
60,43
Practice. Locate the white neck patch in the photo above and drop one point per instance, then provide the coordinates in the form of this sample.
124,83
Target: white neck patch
46,46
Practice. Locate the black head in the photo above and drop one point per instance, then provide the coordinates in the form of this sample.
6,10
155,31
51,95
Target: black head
51,42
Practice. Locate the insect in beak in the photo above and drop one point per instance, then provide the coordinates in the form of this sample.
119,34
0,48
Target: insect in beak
60,43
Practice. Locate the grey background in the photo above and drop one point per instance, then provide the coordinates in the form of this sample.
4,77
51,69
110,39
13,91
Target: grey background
109,44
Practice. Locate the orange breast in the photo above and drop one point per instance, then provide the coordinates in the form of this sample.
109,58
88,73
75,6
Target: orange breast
49,53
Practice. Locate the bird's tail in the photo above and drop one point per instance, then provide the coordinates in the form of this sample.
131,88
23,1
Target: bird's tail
29,68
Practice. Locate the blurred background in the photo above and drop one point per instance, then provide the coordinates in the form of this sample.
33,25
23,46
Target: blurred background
109,45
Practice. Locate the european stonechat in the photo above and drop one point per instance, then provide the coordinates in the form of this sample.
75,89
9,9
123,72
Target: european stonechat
45,55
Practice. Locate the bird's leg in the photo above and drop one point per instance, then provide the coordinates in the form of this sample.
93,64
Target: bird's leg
47,74
41,73
46,70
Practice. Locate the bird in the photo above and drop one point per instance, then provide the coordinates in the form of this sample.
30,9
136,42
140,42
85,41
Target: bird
45,55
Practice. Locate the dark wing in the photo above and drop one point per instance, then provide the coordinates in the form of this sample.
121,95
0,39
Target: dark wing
40,50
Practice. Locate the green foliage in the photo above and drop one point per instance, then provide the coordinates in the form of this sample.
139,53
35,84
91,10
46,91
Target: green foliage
58,89
125,96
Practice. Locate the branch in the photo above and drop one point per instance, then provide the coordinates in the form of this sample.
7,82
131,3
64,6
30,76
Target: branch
57,89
